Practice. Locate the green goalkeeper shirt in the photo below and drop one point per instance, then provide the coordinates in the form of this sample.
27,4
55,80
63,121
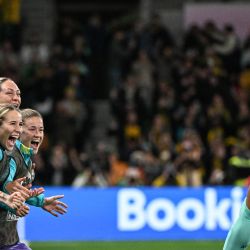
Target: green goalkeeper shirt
238,237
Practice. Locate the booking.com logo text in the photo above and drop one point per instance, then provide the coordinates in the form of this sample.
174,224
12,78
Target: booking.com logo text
134,211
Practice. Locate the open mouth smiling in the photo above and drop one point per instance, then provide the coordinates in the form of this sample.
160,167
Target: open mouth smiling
35,143
12,140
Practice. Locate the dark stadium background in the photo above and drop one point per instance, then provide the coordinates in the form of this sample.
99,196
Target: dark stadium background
132,95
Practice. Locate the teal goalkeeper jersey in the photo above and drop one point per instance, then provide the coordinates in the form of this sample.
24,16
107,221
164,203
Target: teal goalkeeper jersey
238,237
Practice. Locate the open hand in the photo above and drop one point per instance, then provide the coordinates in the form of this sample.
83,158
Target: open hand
16,186
23,210
37,191
15,200
53,206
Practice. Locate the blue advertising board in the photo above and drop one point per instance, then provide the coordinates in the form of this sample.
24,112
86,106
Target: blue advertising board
168,213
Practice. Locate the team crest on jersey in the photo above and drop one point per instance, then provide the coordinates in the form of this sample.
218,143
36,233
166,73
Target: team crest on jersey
11,217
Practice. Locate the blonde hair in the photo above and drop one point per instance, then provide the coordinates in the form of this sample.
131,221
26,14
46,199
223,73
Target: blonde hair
28,113
6,108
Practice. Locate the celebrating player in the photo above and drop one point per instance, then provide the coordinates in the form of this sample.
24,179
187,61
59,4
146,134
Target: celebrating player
10,128
238,236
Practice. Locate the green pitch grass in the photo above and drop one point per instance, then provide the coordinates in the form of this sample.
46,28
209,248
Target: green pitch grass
138,245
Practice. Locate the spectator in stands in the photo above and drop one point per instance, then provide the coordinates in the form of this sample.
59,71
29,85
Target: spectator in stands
199,85
188,163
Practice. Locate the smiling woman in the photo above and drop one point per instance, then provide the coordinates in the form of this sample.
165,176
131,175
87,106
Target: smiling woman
28,127
33,129
10,126
10,129
21,175
9,92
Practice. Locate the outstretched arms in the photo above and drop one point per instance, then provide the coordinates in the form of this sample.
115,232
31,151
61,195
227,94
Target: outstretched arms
26,192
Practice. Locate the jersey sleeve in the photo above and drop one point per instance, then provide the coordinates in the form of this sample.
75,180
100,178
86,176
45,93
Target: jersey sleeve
37,201
1,154
238,236
1,158
11,175
5,207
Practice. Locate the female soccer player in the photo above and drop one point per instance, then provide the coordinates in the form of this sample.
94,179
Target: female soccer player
10,130
11,94
21,166
238,236
10,127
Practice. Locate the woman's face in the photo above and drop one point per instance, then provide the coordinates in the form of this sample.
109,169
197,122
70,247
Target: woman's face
33,133
10,129
10,93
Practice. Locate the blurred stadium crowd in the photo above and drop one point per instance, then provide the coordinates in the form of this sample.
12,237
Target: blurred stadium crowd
180,111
